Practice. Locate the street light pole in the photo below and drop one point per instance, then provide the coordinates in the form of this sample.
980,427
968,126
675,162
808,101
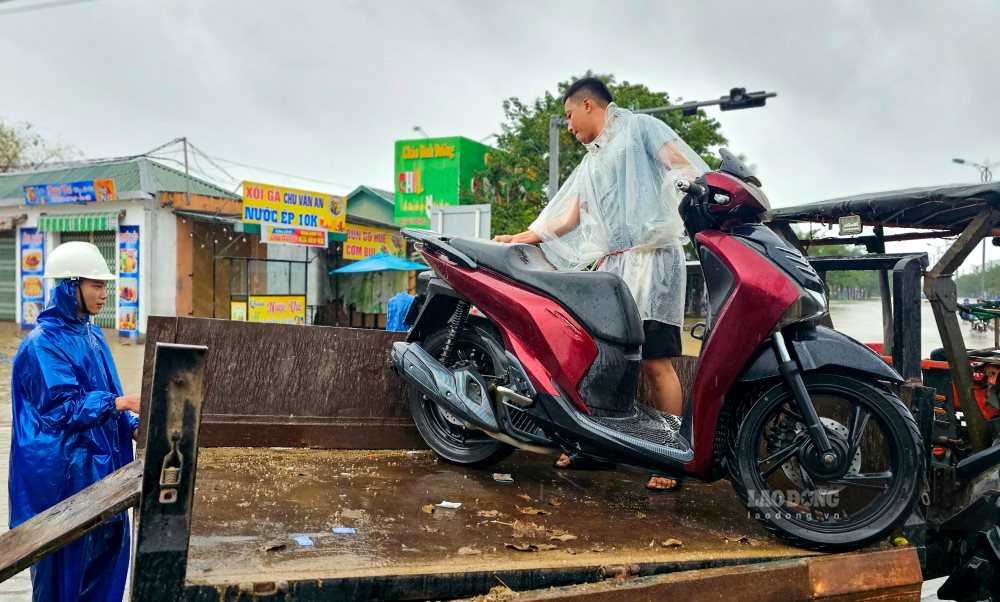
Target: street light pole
982,273
738,98
985,168
985,174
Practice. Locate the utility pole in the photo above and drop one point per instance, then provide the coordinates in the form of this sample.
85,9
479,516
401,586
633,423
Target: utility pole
187,176
985,174
556,123
738,98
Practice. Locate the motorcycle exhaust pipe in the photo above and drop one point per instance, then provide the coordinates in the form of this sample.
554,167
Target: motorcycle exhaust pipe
530,447
463,392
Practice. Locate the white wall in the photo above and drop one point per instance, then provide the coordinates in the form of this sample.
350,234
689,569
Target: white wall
157,251
162,275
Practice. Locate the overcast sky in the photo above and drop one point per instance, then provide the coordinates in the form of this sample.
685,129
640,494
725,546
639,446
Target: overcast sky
871,95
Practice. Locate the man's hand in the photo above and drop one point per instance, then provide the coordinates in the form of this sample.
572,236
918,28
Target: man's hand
128,402
526,237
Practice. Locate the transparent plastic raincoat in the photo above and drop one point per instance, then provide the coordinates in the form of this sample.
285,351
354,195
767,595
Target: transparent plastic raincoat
618,209
66,436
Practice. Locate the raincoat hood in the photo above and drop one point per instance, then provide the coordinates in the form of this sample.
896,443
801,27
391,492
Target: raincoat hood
63,307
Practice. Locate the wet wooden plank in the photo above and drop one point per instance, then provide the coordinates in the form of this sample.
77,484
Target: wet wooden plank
252,503
884,574
283,385
295,371
159,329
843,574
278,431
275,385
65,522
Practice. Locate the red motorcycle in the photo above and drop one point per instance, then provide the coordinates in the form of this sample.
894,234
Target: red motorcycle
506,352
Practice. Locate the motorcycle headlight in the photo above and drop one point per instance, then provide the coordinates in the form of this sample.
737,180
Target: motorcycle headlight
810,305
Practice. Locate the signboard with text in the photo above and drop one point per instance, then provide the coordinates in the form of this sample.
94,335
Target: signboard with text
365,241
277,309
309,237
86,191
291,213
238,310
128,281
32,272
434,172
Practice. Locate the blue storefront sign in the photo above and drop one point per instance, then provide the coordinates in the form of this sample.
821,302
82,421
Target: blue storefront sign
86,191
32,272
128,281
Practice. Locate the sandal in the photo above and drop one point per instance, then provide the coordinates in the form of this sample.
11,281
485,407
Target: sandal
578,461
679,484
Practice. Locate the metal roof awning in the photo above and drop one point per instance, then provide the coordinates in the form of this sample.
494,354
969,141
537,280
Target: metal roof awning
239,226
79,222
216,218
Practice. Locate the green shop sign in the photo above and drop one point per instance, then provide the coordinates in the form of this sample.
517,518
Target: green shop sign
435,171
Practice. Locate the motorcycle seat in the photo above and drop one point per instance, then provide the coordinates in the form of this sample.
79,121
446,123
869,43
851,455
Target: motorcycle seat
599,300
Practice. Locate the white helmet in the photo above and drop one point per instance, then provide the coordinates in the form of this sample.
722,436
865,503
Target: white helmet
77,260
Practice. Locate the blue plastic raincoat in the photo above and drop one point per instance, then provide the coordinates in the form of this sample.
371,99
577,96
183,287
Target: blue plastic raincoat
66,436
397,308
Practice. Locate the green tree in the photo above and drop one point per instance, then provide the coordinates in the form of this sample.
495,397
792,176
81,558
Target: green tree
861,280
22,147
516,178
970,285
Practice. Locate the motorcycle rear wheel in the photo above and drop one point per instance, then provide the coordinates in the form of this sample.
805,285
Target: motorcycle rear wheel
442,432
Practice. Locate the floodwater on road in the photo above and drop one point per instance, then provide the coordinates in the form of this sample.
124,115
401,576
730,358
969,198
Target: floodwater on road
862,320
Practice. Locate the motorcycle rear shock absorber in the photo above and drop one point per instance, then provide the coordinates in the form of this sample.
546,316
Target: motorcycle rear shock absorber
455,326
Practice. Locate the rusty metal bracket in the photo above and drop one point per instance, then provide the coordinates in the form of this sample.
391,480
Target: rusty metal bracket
171,456
943,295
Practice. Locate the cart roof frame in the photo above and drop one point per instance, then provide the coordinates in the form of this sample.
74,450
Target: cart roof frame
946,210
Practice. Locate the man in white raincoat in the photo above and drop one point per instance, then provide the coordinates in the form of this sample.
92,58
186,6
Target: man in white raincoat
618,210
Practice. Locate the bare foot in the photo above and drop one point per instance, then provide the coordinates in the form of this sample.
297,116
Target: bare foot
563,461
657,483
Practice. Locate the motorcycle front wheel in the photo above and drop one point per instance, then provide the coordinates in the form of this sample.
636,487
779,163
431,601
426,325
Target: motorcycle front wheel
776,471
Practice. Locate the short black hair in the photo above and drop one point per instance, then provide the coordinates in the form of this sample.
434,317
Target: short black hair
589,87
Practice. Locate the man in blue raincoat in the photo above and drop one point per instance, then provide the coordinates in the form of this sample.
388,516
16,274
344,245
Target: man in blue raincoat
72,427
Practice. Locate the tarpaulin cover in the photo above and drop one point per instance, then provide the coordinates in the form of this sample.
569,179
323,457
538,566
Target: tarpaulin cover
935,208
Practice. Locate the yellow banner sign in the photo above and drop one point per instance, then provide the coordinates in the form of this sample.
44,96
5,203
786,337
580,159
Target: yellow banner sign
365,241
277,309
291,207
238,310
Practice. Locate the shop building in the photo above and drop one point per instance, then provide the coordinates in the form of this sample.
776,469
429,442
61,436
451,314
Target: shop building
177,243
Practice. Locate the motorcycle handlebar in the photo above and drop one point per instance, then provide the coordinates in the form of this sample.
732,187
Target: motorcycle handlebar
696,190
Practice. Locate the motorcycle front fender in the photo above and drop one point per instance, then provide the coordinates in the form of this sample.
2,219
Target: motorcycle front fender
818,347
